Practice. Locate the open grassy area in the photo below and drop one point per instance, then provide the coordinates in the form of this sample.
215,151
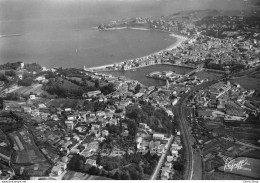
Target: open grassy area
69,85
27,151
36,89
197,172
66,103
250,82
207,75
224,176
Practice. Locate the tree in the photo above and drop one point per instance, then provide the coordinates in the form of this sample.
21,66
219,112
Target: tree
1,103
132,128
137,88
178,166
25,82
33,67
107,89
134,174
97,83
10,73
117,175
125,175
93,170
49,75
3,78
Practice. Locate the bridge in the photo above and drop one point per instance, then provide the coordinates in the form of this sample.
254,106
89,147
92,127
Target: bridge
198,69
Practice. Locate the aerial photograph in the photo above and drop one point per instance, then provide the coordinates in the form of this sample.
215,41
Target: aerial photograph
129,90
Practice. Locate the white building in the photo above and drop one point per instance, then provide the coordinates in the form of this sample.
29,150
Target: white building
158,136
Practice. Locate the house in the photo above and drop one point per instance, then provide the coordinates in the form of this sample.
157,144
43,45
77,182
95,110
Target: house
66,144
56,171
117,153
32,97
77,138
69,124
158,136
165,175
67,109
54,117
138,95
143,126
74,151
109,115
92,114
169,158
40,78
174,154
105,133
120,115
27,109
62,165
5,155
91,162
100,113
92,93
71,118
169,113
160,149
20,76
125,133
113,122
168,164
206,114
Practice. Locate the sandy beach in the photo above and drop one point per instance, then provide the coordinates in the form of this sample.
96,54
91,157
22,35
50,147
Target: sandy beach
178,42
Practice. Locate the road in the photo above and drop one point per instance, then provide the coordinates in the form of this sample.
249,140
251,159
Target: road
184,129
161,160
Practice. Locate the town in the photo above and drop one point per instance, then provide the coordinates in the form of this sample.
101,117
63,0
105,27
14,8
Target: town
59,124
207,39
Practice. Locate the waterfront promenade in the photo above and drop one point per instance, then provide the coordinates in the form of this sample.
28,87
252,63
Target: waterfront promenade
141,60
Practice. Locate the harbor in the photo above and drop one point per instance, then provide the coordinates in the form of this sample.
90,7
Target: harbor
164,75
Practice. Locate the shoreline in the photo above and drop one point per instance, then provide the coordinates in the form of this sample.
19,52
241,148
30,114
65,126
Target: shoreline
179,40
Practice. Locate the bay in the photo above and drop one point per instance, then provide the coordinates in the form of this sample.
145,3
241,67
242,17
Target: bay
59,32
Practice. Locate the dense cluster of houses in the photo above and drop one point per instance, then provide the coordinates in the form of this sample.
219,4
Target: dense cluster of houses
226,101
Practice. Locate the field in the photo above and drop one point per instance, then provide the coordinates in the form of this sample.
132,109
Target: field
71,175
198,170
250,82
253,165
27,152
207,75
26,90
224,176
69,85
254,154
88,83
66,103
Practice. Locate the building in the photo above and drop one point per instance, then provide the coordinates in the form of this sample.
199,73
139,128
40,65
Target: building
69,124
56,171
92,93
91,162
158,136
32,97
143,126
